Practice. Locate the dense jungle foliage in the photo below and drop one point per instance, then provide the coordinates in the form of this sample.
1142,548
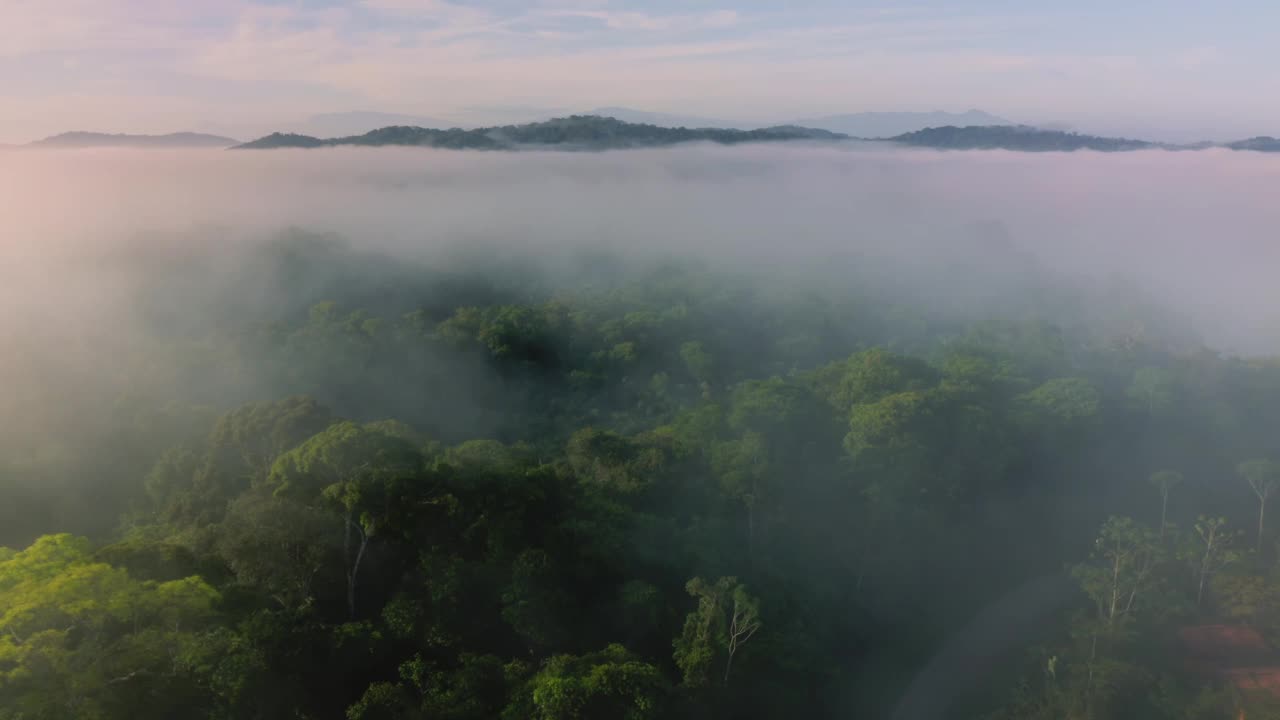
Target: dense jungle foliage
333,483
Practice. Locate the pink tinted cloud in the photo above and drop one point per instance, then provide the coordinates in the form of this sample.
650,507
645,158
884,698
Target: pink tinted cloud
41,26
245,60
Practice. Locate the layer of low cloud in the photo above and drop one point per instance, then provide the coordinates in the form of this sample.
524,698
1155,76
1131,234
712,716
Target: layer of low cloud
1197,229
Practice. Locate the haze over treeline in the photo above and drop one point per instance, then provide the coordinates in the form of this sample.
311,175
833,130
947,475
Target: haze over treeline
697,432
1145,215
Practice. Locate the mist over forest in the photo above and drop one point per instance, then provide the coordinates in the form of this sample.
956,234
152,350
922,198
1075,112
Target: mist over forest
729,432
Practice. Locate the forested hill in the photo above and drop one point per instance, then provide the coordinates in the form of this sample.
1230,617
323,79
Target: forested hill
1024,138
1260,144
171,140
590,132
1008,137
594,132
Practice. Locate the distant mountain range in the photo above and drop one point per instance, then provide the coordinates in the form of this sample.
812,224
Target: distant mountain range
861,125
595,132
1029,139
172,140
892,124
1019,137
585,132
668,120
344,124
865,124
1262,143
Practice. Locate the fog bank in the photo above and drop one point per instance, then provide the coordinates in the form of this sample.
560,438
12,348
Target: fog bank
1195,228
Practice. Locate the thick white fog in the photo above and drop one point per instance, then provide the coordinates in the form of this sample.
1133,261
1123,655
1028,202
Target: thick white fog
1196,228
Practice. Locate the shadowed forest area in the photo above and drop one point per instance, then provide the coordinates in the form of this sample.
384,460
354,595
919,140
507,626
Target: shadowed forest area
342,483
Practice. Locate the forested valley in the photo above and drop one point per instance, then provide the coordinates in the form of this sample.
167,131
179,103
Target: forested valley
331,482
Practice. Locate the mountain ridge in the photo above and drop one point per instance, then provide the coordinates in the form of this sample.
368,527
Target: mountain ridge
890,124
590,132
1022,138
670,120
1261,143
876,124
594,132
358,122
85,139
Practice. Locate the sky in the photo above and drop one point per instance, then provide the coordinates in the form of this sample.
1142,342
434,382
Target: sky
1173,68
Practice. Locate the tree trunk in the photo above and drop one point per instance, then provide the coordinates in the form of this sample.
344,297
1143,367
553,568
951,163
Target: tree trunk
1205,563
346,542
354,570
1115,592
1164,511
1262,511
1142,575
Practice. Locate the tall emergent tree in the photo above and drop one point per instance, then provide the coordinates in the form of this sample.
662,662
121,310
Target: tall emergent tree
1121,569
351,469
1165,481
726,618
1209,551
1263,477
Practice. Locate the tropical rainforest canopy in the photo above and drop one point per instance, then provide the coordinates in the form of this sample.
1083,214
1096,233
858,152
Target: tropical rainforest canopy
336,483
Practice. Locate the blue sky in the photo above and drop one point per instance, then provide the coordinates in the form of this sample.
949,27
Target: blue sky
247,66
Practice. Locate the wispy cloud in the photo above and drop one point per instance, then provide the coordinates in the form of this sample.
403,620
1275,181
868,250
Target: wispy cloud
648,22
457,18
241,61
84,26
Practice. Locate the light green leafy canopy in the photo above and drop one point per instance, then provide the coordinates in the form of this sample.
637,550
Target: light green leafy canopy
78,637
